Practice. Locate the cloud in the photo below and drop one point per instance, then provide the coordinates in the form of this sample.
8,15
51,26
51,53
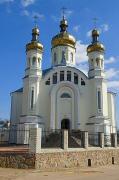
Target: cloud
104,27
32,14
68,13
76,28
88,34
113,84
6,1
112,73
81,55
110,60
26,3
25,13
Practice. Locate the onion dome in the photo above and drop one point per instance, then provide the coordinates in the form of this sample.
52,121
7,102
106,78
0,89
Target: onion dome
63,38
95,45
34,44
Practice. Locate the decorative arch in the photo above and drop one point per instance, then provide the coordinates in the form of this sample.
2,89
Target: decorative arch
56,91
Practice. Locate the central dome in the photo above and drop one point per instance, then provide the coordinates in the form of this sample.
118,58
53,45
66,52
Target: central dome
63,38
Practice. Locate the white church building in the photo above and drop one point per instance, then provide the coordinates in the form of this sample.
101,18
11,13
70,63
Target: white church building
63,97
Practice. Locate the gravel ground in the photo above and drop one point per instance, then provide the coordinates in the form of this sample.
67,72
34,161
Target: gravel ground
109,172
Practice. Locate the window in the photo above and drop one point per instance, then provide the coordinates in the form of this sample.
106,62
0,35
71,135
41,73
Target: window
55,58
32,98
55,78
33,61
61,75
82,82
47,82
29,61
99,99
75,78
65,95
68,75
71,57
97,61
63,56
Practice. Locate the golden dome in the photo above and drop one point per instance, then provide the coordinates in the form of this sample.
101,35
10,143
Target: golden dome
95,45
34,44
63,38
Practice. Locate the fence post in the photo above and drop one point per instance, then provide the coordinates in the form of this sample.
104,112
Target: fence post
65,139
101,139
85,139
114,140
35,140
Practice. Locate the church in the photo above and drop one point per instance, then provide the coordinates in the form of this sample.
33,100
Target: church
62,96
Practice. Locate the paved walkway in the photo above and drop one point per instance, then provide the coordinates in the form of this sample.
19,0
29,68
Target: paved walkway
109,173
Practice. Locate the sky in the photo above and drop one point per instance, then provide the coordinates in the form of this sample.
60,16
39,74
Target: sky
16,23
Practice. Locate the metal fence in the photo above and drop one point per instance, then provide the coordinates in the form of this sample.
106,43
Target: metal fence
14,136
51,138
93,140
75,139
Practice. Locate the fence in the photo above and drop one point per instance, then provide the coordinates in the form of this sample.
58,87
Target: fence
51,139
14,136
107,141
93,139
75,139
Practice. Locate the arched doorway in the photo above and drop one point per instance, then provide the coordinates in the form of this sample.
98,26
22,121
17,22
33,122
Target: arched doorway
65,124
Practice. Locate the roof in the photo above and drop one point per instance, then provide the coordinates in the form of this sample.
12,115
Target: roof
46,71
18,90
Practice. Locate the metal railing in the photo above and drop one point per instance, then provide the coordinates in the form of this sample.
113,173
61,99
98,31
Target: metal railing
14,136
51,138
93,140
75,139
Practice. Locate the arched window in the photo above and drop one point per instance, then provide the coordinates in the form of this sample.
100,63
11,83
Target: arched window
75,78
47,82
34,61
55,58
71,57
63,56
97,61
55,78
82,82
99,99
61,75
65,95
32,98
68,75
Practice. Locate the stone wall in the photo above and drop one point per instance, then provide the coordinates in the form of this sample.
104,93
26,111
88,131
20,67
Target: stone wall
77,159
17,160
60,159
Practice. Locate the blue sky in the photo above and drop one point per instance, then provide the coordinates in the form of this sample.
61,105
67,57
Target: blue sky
16,22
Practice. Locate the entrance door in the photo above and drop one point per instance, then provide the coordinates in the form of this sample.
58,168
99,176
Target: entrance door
65,124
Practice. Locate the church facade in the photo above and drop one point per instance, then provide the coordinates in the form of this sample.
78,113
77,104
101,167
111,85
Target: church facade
63,97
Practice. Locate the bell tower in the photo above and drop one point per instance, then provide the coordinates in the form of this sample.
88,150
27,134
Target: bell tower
98,86
31,81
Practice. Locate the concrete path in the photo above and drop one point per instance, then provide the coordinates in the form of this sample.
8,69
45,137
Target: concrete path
102,173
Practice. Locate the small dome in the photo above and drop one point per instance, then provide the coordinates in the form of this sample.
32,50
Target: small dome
95,32
35,31
63,38
95,45
34,44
